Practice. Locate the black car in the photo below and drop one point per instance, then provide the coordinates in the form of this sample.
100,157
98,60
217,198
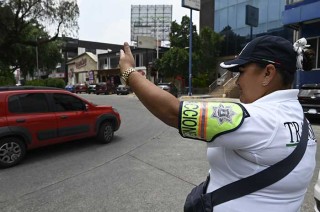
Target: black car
170,87
92,88
122,89
309,98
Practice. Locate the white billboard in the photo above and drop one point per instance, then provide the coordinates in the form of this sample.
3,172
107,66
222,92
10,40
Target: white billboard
151,21
146,42
192,4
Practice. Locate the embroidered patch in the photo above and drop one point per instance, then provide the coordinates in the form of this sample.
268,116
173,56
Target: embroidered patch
223,113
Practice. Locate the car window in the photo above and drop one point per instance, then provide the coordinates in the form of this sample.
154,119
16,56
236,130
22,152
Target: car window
66,102
28,103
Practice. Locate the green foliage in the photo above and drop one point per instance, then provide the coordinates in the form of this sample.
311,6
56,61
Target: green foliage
6,77
209,51
37,82
50,82
174,62
179,35
24,26
201,81
58,83
205,50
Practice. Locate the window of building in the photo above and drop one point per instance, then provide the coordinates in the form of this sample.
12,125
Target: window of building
229,18
138,59
314,45
114,62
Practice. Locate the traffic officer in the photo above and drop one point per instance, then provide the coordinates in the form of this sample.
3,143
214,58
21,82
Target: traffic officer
247,137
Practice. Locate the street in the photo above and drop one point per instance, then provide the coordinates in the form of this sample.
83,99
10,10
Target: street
147,167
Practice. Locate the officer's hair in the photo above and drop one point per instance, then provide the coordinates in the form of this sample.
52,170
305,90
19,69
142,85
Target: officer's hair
287,76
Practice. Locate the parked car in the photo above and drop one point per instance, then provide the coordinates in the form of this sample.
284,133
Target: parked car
81,88
92,88
34,117
170,87
309,97
70,88
122,89
111,88
101,87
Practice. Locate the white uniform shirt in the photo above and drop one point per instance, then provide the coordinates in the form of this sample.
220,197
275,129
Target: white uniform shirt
268,132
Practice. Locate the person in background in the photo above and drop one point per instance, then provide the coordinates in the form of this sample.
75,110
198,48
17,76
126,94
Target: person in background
247,137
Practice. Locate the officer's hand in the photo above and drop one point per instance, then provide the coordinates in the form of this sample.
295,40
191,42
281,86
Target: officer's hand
126,58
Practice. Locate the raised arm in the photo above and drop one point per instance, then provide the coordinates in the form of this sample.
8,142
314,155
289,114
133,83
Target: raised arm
159,102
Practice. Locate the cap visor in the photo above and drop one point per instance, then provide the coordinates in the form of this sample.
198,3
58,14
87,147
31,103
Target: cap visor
232,65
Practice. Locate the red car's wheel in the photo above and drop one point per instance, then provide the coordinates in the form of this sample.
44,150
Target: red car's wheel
12,150
105,133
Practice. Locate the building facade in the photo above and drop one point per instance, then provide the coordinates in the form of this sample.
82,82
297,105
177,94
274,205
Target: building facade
83,69
230,21
108,63
74,47
304,18
290,19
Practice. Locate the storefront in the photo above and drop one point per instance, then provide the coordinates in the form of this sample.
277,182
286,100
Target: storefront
110,76
82,69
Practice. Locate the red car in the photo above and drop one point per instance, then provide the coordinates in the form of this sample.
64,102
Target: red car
101,88
80,88
33,117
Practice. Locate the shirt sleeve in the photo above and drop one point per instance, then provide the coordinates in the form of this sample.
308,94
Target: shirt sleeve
207,120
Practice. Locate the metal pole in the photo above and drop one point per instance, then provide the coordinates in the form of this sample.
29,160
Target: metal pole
157,47
38,71
157,41
190,56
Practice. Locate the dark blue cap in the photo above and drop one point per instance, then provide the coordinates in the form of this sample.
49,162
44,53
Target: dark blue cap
265,49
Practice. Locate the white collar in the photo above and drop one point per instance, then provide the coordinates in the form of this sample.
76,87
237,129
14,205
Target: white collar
279,96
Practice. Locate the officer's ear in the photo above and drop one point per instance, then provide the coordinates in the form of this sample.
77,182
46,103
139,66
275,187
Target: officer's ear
270,73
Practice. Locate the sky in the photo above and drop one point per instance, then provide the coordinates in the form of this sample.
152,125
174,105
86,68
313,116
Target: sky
108,21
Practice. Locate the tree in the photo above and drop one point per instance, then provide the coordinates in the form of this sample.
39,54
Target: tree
205,50
209,51
179,36
176,60
6,77
25,26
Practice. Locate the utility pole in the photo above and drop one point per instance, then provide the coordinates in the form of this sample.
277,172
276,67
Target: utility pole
37,58
190,56
192,5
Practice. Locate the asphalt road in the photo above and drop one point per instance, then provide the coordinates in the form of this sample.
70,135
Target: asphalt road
147,167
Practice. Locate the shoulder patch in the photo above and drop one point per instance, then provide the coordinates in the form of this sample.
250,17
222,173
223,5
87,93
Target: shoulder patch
207,120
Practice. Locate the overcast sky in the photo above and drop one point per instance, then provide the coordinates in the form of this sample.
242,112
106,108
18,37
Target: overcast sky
109,21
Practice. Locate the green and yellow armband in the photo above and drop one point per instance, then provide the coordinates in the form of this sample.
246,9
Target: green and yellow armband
207,120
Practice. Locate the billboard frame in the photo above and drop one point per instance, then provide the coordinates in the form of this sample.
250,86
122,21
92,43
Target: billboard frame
191,4
151,20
